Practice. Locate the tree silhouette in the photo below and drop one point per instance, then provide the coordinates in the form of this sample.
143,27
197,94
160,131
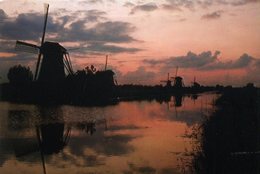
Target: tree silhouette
19,74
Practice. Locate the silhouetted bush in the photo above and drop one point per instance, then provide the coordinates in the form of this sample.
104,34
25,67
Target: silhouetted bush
19,74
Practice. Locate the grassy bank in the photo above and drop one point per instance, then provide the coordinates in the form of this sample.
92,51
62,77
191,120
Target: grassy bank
229,140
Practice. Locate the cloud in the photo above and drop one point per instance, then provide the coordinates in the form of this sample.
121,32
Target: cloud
243,61
27,26
145,7
82,27
99,148
133,168
171,7
205,61
3,15
80,30
243,2
108,48
141,75
7,46
64,16
90,1
101,48
113,32
146,169
22,57
115,145
179,5
95,1
213,15
129,4
252,73
93,15
182,19
190,60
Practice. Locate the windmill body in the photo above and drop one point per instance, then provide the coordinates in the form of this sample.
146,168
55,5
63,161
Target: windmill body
52,66
178,80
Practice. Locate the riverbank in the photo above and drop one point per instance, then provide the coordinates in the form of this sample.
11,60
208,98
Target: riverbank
228,141
73,94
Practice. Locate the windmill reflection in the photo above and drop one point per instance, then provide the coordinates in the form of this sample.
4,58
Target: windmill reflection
51,133
194,97
52,137
178,98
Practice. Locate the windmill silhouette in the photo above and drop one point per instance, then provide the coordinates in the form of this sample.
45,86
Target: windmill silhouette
178,80
55,58
195,84
168,81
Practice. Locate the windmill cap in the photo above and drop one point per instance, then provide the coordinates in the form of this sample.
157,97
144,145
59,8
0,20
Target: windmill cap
52,47
178,77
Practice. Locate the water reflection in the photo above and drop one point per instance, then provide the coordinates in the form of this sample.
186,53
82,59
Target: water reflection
178,98
131,137
18,119
88,127
51,137
51,133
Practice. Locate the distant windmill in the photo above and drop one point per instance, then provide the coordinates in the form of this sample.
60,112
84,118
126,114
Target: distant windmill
178,81
55,57
194,83
168,81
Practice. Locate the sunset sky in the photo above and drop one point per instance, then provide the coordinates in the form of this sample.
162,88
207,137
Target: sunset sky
217,41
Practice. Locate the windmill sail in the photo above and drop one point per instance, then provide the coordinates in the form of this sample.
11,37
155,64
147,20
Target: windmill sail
26,47
46,10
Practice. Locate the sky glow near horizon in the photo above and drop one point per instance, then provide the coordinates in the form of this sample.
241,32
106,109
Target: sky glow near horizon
215,40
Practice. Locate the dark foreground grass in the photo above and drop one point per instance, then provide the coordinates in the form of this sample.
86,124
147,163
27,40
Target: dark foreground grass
229,140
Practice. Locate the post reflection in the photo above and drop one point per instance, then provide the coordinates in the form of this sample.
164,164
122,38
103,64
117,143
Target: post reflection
88,127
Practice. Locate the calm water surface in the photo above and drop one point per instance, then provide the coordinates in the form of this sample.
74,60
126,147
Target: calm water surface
130,137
